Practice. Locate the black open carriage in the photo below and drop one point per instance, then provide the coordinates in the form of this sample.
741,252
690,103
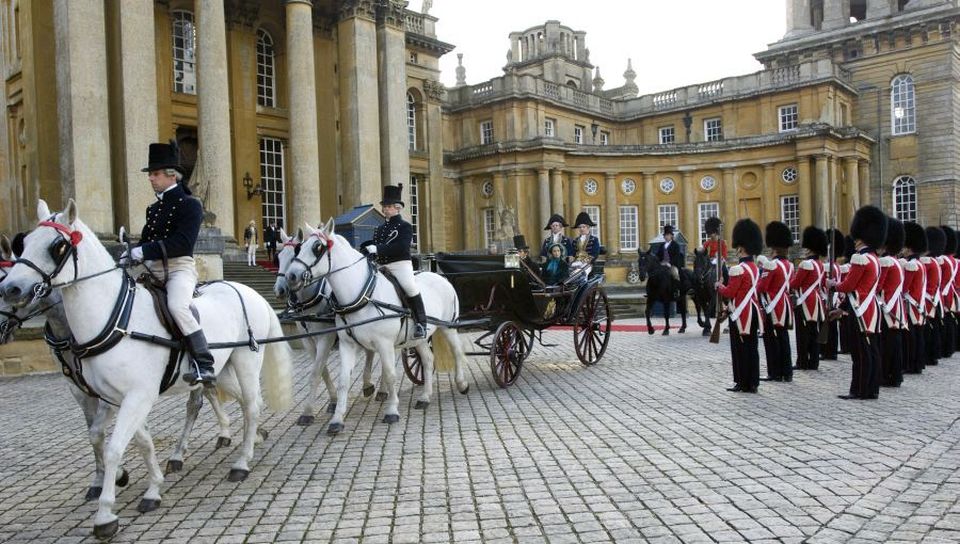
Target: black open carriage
505,297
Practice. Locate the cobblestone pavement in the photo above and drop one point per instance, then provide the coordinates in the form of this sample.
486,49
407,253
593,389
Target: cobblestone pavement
645,446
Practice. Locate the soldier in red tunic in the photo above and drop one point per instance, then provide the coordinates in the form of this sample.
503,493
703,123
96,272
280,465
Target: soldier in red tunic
914,298
869,231
744,308
828,352
936,241
956,290
894,322
774,287
807,284
948,296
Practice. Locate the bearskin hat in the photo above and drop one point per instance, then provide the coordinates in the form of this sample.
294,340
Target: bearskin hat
914,237
746,234
936,241
778,235
815,240
895,236
951,246
838,240
870,225
849,247
712,225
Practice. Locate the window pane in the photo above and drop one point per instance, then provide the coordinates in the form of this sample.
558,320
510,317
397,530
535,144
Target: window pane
790,214
629,239
266,85
905,198
666,215
903,105
271,179
414,210
184,53
707,210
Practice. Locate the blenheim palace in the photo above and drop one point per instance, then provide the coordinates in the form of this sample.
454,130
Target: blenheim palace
300,110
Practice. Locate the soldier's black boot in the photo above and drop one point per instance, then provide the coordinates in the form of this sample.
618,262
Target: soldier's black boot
419,315
202,361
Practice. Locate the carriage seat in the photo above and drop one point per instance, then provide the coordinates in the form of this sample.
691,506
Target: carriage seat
158,293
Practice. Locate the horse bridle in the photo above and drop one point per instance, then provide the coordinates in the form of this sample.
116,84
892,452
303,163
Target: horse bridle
319,250
62,249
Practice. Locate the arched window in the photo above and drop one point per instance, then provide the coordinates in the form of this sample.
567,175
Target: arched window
905,198
903,105
266,70
412,121
184,53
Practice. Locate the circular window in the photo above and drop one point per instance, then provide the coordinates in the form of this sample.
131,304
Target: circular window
487,189
591,186
667,185
789,175
628,186
708,183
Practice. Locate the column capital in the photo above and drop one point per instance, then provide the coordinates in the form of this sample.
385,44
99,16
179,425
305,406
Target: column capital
365,9
611,175
391,13
434,90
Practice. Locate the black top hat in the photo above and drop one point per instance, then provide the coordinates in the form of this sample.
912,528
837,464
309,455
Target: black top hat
583,218
667,229
164,156
520,242
712,225
778,235
815,240
391,194
555,218
914,237
895,236
746,234
869,225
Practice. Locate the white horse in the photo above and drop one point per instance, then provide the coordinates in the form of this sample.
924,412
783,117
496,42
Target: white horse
64,253
313,298
374,326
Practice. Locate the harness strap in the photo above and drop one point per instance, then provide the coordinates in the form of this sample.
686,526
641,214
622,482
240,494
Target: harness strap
116,327
252,341
74,372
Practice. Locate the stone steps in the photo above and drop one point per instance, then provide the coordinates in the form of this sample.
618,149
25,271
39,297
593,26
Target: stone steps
257,278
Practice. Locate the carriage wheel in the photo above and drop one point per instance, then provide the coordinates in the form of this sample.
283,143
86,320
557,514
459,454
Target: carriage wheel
507,353
412,365
591,330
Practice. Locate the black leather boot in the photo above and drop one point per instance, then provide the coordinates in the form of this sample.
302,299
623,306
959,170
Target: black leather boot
202,361
419,315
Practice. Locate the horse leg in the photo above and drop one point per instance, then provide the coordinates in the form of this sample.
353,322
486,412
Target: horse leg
649,310
453,339
368,387
666,316
682,307
223,421
320,371
194,402
389,381
144,442
426,358
246,365
131,417
348,355
96,414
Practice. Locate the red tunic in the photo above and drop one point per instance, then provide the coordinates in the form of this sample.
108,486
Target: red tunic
861,285
808,284
741,291
914,290
712,245
774,285
948,277
932,298
891,293
956,285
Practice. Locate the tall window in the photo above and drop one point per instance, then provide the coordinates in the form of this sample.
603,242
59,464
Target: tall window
413,209
486,132
578,135
604,138
667,135
489,227
594,213
184,53
707,210
550,127
411,122
271,178
790,214
629,239
666,215
789,117
905,198
266,70
903,105
713,130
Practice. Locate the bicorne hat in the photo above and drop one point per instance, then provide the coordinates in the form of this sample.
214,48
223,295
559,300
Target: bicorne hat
778,235
869,225
583,218
914,237
667,229
951,246
164,156
520,242
555,218
936,241
711,225
391,194
895,236
815,240
746,234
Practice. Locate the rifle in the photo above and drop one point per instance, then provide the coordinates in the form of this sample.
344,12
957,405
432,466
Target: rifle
715,333
824,334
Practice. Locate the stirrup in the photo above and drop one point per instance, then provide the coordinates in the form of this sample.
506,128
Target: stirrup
198,375
420,331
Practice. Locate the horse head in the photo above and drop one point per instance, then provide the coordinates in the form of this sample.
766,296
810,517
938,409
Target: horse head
646,263
289,247
316,256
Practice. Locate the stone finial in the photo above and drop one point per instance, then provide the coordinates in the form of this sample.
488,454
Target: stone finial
629,75
598,81
461,71
425,8
630,88
509,56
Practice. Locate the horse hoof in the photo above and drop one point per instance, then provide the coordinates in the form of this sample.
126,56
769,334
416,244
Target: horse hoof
682,330
93,494
106,530
334,428
263,433
706,332
368,390
381,396
237,475
666,332
421,404
465,390
124,478
305,420
173,466
148,505
222,442
650,331
391,418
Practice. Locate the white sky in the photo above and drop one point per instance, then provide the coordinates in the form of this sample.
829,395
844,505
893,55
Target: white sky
672,42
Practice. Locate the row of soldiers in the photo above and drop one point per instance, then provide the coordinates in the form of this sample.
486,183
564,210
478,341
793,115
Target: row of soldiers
891,300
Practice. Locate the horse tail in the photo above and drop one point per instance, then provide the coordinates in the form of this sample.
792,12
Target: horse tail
277,369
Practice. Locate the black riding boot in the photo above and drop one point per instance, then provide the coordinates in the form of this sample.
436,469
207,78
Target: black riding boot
419,315
202,361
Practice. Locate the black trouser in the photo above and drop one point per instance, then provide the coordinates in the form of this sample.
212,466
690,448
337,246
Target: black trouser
746,354
846,334
829,350
865,376
892,356
914,350
948,337
932,339
808,344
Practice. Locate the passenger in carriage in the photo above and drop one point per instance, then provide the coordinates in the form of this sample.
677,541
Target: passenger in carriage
555,225
585,247
523,251
556,270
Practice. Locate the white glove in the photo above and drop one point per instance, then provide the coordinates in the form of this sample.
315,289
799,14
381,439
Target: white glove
136,254
124,259
371,249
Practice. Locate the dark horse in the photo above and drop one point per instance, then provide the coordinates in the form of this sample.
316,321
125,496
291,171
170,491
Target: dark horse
659,290
704,290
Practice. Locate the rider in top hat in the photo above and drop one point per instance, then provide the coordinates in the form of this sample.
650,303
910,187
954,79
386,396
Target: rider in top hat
669,255
555,225
586,247
166,249
807,283
936,242
744,307
391,246
914,297
869,232
891,306
774,286
948,295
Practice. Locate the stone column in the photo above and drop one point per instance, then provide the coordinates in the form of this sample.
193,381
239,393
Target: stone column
392,73
360,103
556,194
544,186
729,214
688,210
138,107
836,14
768,206
821,191
304,161
649,208
82,103
805,192
611,214
515,46
863,181
798,18
213,115
851,173
574,190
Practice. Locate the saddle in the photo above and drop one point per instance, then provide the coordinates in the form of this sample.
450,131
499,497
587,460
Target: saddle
401,294
158,292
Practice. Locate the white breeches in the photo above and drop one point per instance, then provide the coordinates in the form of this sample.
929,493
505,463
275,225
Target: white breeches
251,253
181,281
403,271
